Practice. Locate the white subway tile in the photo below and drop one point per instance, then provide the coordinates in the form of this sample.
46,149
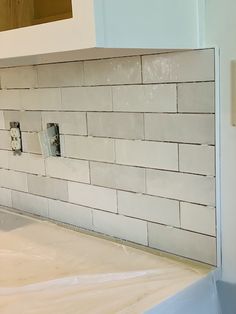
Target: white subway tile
5,197
147,154
48,187
197,159
13,180
181,66
97,149
68,169
71,214
185,128
181,242
69,122
30,203
145,98
41,99
116,125
5,142
87,99
186,187
29,121
30,143
29,163
118,177
196,97
4,163
19,77
149,208
10,99
60,74
120,227
92,196
113,71
198,218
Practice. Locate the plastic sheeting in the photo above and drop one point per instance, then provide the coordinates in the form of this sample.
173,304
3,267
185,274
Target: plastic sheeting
45,268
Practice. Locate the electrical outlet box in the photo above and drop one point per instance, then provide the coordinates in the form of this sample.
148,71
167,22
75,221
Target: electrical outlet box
50,140
16,142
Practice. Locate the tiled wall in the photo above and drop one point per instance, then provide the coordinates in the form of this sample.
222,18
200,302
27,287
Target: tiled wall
137,138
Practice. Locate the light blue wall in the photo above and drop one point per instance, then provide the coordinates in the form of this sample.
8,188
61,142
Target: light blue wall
147,23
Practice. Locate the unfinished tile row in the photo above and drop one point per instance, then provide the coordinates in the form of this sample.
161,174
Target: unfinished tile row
169,67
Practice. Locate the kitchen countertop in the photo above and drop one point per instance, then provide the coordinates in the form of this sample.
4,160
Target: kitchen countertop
46,268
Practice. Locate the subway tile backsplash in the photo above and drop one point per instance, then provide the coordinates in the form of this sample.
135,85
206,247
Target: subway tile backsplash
138,147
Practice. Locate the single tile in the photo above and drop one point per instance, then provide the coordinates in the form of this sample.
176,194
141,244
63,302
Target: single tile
97,149
120,227
196,97
147,154
184,66
71,214
5,197
30,143
68,169
197,159
5,142
92,196
10,99
48,187
19,77
151,208
125,70
29,163
4,160
60,74
30,203
2,121
69,122
181,186
29,121
145,98
181,242
116,125
183,128
41,99
13,180
87,99
118,177
198,218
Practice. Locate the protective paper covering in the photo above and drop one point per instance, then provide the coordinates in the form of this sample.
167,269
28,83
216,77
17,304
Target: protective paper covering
45,268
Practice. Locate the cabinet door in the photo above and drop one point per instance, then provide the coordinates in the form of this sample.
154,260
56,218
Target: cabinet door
22,12
5,14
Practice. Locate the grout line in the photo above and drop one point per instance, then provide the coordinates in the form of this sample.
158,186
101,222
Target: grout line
110,85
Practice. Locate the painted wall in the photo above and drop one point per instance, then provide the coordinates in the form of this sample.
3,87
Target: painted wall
220,31
147,24
137,139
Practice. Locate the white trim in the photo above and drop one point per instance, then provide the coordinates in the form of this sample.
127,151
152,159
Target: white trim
218,155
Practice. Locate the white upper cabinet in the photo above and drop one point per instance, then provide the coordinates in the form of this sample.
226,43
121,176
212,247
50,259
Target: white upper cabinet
99,28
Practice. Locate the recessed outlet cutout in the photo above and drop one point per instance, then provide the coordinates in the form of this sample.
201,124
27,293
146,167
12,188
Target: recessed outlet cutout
50,140
16,140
